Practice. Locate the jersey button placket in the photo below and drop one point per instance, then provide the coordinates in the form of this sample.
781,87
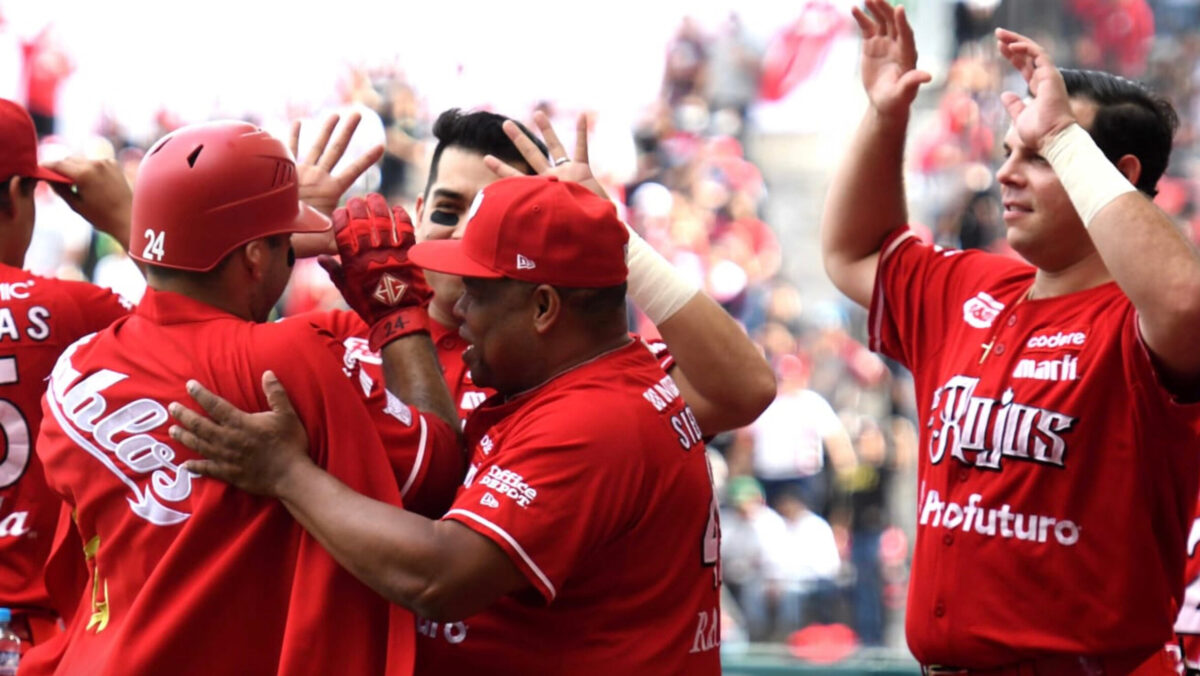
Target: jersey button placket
947,539
939,609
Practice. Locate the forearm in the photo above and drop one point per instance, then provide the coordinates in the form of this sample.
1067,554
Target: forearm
411,372
1148,256
866,201
398,554
726,380
1159,270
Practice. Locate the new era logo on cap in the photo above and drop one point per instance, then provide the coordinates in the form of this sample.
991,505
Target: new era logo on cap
390,290
524,263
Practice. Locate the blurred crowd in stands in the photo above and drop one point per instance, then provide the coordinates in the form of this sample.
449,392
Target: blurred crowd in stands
815,520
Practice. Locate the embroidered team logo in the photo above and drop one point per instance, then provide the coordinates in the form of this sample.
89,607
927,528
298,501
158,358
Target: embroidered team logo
981,310
390,289
524,263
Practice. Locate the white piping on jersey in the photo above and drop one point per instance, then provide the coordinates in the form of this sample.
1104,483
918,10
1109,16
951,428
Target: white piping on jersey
509,539
412,476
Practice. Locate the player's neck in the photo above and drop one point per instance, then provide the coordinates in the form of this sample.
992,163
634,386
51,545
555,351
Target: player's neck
1086,273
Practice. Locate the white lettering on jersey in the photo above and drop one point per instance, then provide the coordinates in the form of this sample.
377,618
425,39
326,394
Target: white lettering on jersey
13,525
1016,430
661,394
510,485
1056,340
81,410
8,325
981,310
397,409
470,400
1051,369
39,330
688,430
991,521
708,631
453,632
1188,621
358,350
15,290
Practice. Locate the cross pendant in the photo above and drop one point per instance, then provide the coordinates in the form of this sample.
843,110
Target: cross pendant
987,349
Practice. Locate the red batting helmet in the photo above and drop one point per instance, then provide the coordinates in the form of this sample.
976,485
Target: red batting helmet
205,189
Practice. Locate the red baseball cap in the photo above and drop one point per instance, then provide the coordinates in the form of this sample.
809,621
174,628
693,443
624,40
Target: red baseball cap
535,229
19,143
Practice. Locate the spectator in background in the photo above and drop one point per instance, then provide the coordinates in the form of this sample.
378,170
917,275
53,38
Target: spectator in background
806,582
44,66
753,548
687,58
868,486
790,439
733,72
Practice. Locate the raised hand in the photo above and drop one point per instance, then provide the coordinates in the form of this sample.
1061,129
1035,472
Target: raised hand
574,168
375,275
253,451
1048,110
319,188
98,192
889,58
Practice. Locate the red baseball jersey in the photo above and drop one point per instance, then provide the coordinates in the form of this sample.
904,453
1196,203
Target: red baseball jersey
1057,476
39,318
597,487
423,449
191,575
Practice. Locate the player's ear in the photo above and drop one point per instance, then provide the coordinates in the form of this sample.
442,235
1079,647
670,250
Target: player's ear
10,202
1131,167
257,256
546,304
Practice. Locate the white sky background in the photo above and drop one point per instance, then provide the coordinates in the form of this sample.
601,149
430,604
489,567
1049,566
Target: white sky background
227,57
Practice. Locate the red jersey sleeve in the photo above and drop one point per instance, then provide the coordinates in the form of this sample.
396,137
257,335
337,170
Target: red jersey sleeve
919,288
559,490
424,451
99,306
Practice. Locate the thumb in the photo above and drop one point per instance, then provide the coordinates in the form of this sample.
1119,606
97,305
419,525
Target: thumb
913,79
1013,104
276,396
333,267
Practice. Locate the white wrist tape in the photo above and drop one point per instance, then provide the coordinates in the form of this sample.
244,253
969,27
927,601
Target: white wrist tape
1090,179
654,284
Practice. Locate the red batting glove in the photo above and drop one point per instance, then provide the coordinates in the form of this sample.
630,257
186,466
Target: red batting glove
375,276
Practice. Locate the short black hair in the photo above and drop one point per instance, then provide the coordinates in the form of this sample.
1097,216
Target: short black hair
1130,120
481,132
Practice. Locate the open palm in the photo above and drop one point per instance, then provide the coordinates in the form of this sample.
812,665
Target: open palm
889,57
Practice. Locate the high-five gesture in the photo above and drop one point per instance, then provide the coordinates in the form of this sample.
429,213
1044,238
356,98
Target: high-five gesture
574,168
889,58
319,188
1048,111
